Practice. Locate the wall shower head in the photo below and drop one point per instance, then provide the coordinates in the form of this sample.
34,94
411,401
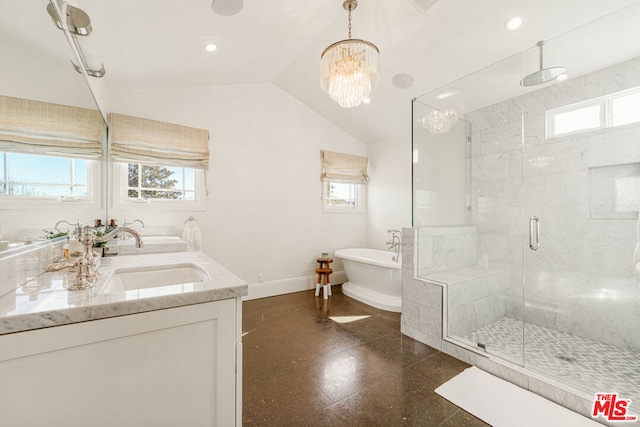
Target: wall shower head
544,75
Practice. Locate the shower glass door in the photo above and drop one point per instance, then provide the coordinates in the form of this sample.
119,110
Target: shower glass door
474,247
496,288
581,181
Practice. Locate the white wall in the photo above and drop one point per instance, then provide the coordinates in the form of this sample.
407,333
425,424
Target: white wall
389,189
264,212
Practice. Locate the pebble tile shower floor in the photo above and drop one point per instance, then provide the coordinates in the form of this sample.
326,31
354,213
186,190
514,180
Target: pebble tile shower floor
337,362
591,366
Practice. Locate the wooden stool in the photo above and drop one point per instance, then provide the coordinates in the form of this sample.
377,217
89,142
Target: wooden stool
324,277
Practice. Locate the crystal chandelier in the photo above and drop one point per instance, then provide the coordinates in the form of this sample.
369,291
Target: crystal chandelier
439,121
349,69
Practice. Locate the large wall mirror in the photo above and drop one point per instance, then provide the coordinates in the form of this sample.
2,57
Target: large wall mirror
45,108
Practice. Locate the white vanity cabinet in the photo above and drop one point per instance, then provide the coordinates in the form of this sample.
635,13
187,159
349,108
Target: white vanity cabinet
171,367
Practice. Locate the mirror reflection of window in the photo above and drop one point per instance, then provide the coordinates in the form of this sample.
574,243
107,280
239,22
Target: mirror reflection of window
43,176
50,153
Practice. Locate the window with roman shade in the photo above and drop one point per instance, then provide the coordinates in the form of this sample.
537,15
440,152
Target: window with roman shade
43,128
343,180
158,163
344,168
138,140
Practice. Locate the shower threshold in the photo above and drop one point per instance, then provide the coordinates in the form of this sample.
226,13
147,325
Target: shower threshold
588,365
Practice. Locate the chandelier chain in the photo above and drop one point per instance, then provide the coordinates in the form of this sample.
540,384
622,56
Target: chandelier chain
349,23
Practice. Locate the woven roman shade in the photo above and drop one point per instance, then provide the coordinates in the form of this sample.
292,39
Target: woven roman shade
137,140
36,127
338,167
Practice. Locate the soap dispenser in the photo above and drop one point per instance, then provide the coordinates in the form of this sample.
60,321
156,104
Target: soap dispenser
65,250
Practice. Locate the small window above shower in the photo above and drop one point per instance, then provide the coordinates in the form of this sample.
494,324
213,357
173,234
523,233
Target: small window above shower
617,109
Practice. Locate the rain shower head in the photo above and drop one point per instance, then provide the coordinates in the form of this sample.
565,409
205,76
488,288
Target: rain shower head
544,75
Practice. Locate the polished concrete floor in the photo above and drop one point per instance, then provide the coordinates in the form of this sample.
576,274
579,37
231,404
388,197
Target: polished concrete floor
338,362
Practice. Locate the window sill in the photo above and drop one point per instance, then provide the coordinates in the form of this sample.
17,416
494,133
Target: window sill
9,202
326,209
169,205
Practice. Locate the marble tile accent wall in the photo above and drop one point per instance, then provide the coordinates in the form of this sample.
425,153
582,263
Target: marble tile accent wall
421,301
581,279
613,191
446,248
18,266
612,79
475,294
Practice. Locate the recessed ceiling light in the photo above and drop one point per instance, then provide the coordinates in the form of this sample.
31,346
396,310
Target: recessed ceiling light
366,100
227,7
562,77
210,47
513,23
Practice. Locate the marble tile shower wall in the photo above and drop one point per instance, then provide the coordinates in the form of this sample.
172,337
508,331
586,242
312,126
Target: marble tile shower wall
581,280
444,248
475,302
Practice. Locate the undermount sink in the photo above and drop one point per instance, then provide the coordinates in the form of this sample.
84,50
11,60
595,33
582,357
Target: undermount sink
151,277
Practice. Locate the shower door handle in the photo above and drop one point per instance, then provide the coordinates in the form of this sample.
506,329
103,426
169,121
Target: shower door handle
534,233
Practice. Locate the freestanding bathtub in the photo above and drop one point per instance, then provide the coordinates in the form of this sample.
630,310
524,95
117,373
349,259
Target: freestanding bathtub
375,278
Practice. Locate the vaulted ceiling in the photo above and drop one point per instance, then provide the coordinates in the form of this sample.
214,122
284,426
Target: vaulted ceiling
159,43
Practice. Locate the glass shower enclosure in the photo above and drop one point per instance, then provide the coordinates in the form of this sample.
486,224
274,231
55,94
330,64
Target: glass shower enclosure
526,202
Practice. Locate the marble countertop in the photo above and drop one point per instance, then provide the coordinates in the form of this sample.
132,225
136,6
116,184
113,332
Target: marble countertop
44,301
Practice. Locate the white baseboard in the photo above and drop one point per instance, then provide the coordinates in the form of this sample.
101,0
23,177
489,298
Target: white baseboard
287,286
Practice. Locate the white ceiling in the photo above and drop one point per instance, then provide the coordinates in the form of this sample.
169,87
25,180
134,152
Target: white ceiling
159,43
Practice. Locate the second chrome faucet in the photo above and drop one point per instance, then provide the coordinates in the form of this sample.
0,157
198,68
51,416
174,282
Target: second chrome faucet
87,271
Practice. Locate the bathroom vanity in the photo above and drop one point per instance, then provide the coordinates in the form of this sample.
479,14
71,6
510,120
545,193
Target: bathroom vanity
137,349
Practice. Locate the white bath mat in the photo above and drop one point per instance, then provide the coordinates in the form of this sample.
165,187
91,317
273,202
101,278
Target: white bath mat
502,404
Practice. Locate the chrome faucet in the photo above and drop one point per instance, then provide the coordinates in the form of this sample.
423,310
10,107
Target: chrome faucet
110,235
57,266
61,221
77,225
87,271
125,223
123,236
394,243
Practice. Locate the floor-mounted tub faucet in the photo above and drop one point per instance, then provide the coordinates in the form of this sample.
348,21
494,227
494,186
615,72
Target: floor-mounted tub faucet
394,243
